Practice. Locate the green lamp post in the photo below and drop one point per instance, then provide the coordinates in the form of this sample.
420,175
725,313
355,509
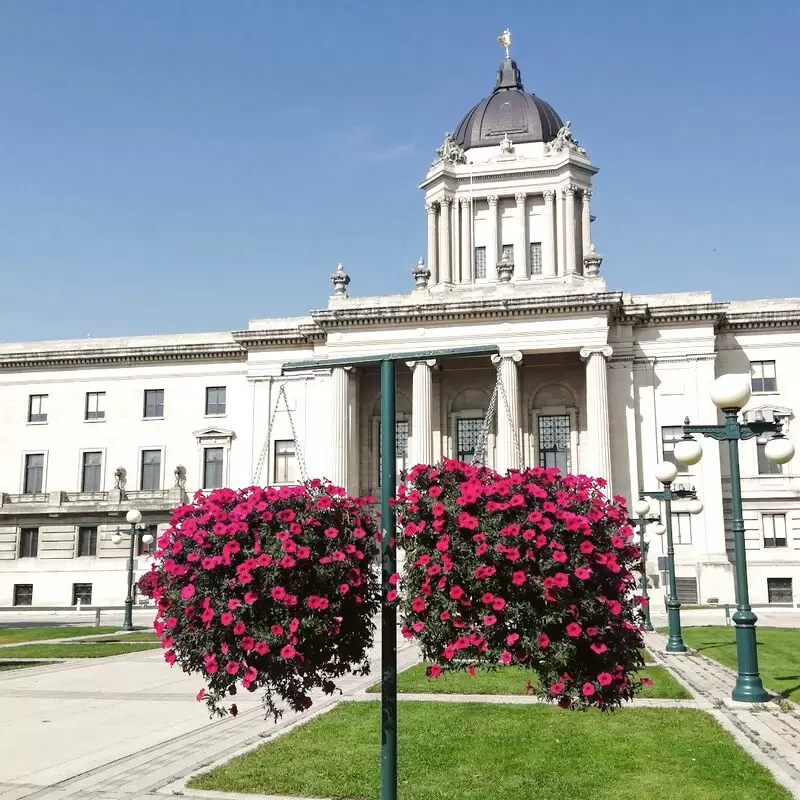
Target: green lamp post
730,394
642,509
134,517
665,474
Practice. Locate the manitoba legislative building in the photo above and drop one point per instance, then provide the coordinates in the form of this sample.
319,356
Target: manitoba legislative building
563,372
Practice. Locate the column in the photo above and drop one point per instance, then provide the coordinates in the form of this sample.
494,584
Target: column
560,238
597,422
521,240
569,232
455,244
445,273
509,447
466,241
422,411
586,223
340,413
433,253
548,240
492,245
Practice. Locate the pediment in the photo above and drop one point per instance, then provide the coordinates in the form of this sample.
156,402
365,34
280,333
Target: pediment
214,433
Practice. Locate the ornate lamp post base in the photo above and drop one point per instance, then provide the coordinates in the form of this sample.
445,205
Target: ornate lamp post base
675,640
749,688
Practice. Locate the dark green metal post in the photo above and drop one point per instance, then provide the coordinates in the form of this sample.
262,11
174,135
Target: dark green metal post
674,640
642,524
389,563
749,687
127,623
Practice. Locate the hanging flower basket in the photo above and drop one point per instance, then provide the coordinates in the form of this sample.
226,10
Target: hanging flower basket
270,589
533,569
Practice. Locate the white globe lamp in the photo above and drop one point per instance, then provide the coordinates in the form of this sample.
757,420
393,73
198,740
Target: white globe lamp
658,529
116,538
134,516
730,391
779,450
147,538
694,507
641,508
666,472
688,451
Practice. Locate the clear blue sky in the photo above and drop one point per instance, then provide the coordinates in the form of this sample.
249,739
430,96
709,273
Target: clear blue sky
185,165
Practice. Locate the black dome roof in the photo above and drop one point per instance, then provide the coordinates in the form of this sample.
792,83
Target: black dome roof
508,110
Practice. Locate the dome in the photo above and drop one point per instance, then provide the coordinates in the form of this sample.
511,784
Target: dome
508,110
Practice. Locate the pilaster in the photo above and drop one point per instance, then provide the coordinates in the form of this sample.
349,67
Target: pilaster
466,241
521,239
493,246
597,412
445,270
433,247
571,256
549,238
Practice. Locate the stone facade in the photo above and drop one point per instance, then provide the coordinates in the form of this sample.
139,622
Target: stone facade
590,380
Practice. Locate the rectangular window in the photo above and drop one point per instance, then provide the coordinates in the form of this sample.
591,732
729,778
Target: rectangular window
669,436
401,451
765,466
212,467
145,548
28,542
33,481
92,472
507,253
779,590
682,528
468,438
774,529
763,377
87,541
215,400
95,405
285,461
480,262
150,479
554,442
37,408
536,258
23,594
82,593
154,403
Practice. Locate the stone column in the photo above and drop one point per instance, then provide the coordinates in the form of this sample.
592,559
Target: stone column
340,413
422,411
560,238
433,252
569,232
521,239
492,247
597,420
466,241
455,244
548,240
508,448
586,223
445,273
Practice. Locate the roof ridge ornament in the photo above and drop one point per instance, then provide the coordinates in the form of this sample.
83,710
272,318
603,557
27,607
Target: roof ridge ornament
505,39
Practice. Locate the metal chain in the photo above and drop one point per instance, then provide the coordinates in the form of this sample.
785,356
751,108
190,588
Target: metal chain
265,448
480,452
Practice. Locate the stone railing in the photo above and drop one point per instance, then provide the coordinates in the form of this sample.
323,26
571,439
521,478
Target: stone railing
57,502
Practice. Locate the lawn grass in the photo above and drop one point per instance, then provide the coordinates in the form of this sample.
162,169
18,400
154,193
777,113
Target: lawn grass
478,751
513,680
74,650
778,653
9,665
13,635
136,636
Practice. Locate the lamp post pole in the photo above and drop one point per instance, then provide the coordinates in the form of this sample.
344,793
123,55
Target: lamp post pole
133,517
730,394
642,509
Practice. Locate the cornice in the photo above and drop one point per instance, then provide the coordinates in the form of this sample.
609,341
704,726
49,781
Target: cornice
642,315
122,356
759,320
276,337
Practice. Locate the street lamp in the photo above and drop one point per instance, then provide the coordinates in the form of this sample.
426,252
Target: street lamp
642,509
134,517
665,474
730,394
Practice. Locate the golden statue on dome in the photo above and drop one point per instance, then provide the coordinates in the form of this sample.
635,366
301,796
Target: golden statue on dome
505,39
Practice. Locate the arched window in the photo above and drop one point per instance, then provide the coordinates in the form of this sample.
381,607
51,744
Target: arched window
402,431
467,413
553,438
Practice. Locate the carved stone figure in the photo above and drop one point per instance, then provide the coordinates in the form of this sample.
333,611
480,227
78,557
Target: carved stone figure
564,141
120,476
450,151
180,477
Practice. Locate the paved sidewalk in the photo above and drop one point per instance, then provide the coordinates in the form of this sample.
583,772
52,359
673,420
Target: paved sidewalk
768,733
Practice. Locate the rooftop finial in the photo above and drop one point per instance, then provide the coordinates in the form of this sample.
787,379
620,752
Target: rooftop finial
505,39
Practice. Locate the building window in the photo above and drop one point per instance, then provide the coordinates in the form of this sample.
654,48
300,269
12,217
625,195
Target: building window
37,408
33,481
507,254
779,590
212,467
145,548
23,594
774,528
763,376
82,593
682,528
154,403
480,262
765,466
87,541
670,435
215,400
150,479
686,590
554,442
468,438
401,449
536,258
95,405
28,542
92,471
285,461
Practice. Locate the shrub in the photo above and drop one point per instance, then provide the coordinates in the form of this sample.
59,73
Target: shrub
534,569
147,583
269,588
